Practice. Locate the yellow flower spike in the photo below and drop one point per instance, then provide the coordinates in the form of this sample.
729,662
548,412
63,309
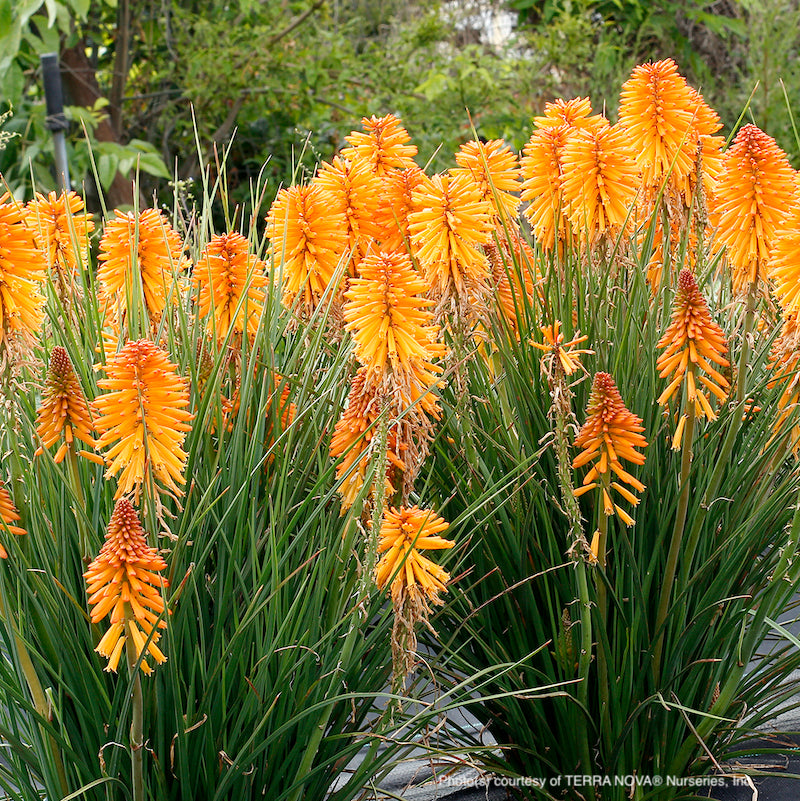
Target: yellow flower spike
123,581
353,191
492,166
383,145
610,433
693,342
22,273
450,225
388,317
143,418
404,532
754,192
229,283
145,243
600,182
658,112
395,203
308,240
64,410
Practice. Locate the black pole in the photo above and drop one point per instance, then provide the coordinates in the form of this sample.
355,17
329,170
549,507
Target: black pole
56,121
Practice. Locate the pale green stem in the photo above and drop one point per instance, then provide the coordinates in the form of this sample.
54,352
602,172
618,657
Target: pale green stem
677,531
602,612
74,477
137,723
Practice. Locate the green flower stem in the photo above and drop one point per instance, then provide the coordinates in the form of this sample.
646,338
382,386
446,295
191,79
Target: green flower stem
137,724
677,532
602,613
75,481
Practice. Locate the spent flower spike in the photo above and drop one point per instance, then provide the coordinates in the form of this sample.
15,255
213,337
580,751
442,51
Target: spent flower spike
557,351
123,582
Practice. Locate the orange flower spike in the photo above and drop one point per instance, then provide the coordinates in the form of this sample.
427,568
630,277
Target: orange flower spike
657,111
146,243
22,273
447,230
387,314
64,410
54,220
610,433
395,203
600,181
353,191
754,191
554,347
9,516
405,532
123,582
693,342
784,260
575,113
229,283
383,145
493,167
308,240
143,418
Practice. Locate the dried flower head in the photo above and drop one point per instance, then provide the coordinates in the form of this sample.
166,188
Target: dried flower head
9,515
122,581
143,418
383,145
447,230
64,410
694,343
493,167
308,241
753,193
145,244
22,273
610,433
404,533
558,354
229,284
600,181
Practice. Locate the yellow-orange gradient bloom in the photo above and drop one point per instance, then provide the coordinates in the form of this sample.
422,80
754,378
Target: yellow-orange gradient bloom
143,418
23,270
123,582
558,352
146,244
229,284
64,410
600,181
353,191
395,203
61,227
9,516
451,223
754,192
694,343
493,167
383,145
610,433
308,240
657,112
784,258
389,317
404,533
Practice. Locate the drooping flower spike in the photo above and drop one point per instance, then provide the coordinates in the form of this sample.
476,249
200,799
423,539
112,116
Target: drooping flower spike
123,582
308,240
493,167
10,516
22,273
556,351
229,285
143,419
145,244
611,433
754,192
64,411
404,533
695,347
383,145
